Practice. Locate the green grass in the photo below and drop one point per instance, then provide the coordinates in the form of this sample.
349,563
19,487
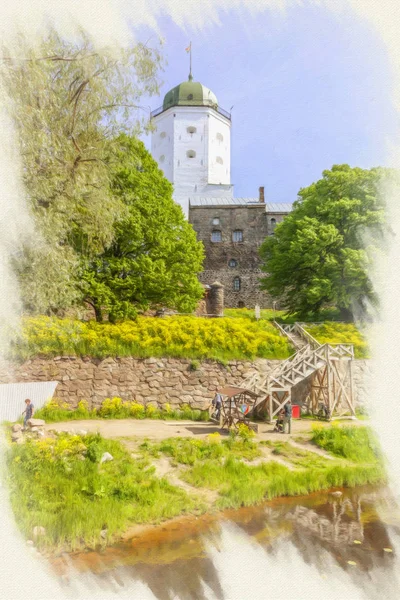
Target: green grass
340,333
357,444
221,465
297,456
280,316
61,486
188,451
115,408
59,483
242,485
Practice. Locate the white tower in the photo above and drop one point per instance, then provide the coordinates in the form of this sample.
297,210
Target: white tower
192,143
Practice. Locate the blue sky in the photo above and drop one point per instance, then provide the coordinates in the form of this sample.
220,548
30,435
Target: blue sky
309,89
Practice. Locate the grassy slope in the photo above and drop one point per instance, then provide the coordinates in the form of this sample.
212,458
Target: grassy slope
180,337
59,484
340,333
75,498
238,336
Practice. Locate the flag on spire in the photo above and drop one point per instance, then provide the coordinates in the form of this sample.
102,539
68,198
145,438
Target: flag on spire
189,51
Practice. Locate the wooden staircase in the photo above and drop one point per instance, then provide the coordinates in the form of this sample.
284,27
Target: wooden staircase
329,365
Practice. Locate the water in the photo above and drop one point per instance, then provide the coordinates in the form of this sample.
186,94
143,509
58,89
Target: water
266,548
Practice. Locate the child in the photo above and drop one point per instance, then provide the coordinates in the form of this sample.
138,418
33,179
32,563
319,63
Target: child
28,412
279,422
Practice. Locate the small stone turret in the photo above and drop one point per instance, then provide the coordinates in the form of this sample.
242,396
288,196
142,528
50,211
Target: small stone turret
216,299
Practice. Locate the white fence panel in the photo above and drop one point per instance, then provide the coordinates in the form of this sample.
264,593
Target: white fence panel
13,396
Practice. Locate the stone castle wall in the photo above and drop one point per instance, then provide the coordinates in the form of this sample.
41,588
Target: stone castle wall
155,381
252,221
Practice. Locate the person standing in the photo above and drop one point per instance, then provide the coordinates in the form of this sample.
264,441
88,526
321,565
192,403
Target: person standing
288,417
28,412
217,403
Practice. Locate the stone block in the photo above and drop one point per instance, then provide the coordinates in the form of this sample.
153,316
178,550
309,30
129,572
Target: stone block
36,422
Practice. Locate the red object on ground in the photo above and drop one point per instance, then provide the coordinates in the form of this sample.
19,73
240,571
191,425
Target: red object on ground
296,411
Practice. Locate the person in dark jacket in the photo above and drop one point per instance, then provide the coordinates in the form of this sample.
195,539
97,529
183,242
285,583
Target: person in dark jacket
28,412
288,417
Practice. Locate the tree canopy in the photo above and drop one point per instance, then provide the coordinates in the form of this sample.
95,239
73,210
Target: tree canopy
154,257
69,102
322,253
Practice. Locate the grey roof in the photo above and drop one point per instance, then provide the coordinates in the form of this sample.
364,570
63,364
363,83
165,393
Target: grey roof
218,201
277,207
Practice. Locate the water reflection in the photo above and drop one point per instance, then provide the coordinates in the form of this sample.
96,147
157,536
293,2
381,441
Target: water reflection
178,560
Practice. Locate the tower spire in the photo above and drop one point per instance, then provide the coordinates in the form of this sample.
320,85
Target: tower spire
189,50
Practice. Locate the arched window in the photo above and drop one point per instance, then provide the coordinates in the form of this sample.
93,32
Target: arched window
236,284
163,134
219,160
190,97
190,153
216,236
233,263
216,221
220,137
191,129
237,235
273,224
162,158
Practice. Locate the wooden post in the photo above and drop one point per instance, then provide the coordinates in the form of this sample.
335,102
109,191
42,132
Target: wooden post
328,379
270,407
351,388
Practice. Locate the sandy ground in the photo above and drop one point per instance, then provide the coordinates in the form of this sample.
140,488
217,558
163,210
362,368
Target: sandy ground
159,430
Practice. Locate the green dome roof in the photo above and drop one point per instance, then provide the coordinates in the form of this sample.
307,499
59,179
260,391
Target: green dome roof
190,93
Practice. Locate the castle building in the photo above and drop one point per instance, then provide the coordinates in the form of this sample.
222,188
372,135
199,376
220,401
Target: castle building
191,143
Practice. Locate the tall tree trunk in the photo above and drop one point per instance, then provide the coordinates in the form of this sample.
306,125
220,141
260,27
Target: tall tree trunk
98,312
346,314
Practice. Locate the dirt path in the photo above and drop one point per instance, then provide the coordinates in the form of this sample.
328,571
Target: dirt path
159,430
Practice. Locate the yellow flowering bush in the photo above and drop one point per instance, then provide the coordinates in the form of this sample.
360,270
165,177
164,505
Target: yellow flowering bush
177,336
214,438
340,333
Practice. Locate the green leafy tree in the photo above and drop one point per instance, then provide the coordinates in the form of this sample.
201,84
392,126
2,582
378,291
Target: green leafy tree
69,101
155,256
322,253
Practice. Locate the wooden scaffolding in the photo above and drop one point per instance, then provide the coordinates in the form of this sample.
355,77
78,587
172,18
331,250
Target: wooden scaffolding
329,366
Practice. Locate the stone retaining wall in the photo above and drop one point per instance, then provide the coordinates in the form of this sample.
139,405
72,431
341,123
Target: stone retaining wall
155,381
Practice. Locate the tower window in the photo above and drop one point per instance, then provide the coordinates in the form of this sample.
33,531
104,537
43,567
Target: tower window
236,284
220,137
163,134
233,263
190,97
162,158
216,221
237,235
191,129
273,225
190,153
219,160
216,236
